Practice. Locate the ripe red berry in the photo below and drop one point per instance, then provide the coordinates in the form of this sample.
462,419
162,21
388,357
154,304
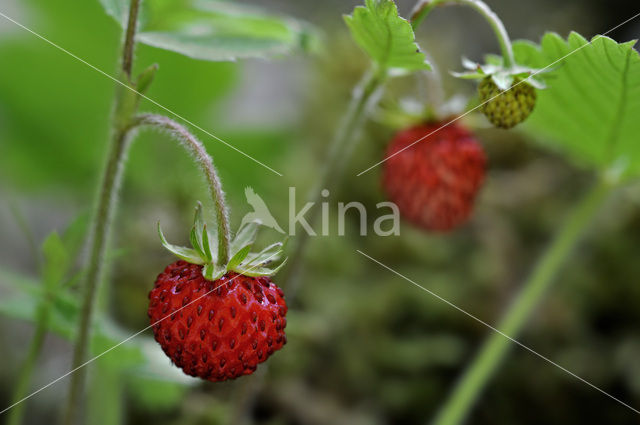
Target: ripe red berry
220,329
434,182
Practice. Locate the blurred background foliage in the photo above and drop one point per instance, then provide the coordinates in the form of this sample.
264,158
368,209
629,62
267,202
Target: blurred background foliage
365,347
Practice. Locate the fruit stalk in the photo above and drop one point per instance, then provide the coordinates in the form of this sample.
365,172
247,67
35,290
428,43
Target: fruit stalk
195,147
124,109
424,7
496,346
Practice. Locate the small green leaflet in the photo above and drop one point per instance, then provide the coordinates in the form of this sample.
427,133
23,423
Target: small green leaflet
591,107
386,37
216,30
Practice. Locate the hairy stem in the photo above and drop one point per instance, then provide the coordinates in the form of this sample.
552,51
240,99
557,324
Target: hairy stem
197,149
365,96
496,347
98,249
124,108
424,7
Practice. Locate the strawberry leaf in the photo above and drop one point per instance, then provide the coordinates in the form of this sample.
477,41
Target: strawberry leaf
591,107
216,30
387,38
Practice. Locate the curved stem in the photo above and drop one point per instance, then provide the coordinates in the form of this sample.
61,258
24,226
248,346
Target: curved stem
496,347
197,149
124,108
424,7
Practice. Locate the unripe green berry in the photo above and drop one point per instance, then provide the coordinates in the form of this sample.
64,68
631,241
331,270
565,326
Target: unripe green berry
508,108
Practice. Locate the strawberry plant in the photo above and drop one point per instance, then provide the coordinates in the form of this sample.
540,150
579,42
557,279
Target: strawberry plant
215,313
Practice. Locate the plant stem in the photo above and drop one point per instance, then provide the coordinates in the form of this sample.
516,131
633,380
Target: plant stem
365,96
129,40
124,108
100,233
496,347
42,319
424,7
197,149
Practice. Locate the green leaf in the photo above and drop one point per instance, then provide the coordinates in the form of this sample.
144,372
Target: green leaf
74,236
591,106
386,37
216,30
56,261
22,295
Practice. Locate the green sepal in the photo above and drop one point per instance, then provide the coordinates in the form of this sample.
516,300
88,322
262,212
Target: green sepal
205,244
197,230
256,271
502,76
238,257
210,272
204,250
268,255
245,236
187,254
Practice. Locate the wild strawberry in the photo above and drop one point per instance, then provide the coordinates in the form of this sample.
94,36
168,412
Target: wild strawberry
434,182
216,322
216,330
506,108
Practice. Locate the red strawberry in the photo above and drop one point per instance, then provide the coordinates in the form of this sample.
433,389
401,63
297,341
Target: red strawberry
216,330
218,319
434,182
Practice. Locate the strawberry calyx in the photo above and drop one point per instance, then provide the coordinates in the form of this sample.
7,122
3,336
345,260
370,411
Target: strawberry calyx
503,76
204,251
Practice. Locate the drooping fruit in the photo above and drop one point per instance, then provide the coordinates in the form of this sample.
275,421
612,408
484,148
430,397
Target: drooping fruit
216,330
218,320
434,182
